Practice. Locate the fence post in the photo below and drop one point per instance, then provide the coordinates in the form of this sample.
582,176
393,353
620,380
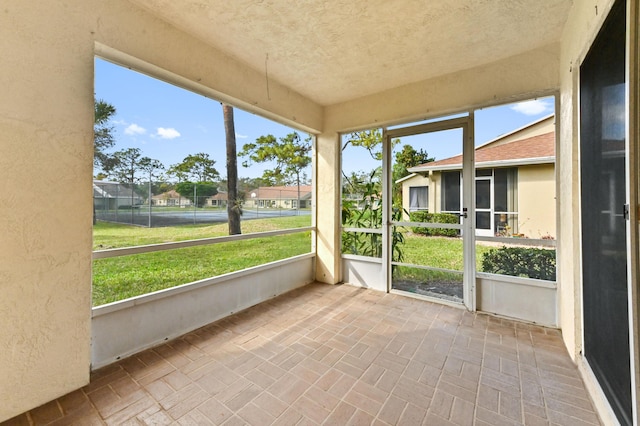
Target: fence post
149,199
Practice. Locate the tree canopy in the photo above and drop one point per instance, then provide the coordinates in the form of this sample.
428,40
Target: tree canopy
202,191
197,167
103,134
371,140
126,164
290,154
406,158
150,167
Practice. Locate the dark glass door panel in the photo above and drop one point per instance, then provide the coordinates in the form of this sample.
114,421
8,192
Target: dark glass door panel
603,191
483,220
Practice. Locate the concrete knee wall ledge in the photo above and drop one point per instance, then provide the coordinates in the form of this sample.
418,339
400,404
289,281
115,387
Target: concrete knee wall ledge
129,326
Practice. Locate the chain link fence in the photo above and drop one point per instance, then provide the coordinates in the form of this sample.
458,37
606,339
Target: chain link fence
143,204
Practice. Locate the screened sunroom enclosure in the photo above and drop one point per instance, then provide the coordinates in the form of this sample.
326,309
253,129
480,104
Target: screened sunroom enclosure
330,69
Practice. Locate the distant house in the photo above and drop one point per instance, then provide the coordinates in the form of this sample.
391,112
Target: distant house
515,183
113,195
170,199
218,200
281,197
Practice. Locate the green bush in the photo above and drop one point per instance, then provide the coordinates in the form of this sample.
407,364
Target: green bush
521,262
425,216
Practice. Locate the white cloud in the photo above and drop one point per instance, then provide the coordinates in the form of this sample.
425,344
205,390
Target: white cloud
133,129
167,133
239,136
534,107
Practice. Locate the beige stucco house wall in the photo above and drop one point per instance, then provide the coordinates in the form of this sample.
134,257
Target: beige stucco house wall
536,198
580,31
529,149
46,119
540,127
412,181
537,201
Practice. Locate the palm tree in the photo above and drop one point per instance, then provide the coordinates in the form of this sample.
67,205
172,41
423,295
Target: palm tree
234,208
102,138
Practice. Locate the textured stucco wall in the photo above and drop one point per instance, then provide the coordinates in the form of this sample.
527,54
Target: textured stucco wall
46,124
581,28
584,21
46,118
537,201
525,76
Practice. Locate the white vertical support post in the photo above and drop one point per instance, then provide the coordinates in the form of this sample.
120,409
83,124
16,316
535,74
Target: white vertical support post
558,188
314,178
117,199
149,198
469,222
386,209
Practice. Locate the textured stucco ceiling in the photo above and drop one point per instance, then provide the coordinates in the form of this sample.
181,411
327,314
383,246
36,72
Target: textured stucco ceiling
336,50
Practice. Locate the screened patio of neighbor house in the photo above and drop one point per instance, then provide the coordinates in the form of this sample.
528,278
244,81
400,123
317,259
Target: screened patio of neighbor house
342,330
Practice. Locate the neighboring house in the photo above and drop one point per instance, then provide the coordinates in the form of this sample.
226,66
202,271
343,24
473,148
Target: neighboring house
113,195
218,200
170,199
515,184
281,197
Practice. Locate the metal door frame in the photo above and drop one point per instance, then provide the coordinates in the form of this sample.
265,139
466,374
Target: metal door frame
468,197
484,232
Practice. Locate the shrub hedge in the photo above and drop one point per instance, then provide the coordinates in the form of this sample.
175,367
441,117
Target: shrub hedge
425,216
521,262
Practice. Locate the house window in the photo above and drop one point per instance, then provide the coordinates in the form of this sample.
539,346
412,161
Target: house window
505,200
418,198
502,184
451,192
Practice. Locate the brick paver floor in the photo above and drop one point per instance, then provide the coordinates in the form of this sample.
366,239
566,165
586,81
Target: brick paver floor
338,355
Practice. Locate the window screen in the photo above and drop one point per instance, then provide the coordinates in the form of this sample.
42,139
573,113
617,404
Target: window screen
451,191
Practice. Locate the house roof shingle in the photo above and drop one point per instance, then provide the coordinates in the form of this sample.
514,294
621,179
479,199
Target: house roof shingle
538,149
220,196
281,192
169,195
105,189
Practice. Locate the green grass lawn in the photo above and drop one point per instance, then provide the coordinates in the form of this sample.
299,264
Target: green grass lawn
114,235
438,252
127,276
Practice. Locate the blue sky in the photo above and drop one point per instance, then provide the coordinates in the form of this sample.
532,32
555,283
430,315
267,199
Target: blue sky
168,123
